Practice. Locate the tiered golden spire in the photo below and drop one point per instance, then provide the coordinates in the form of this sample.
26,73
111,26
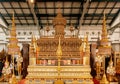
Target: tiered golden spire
98,40
104,80
34,42
110,62
104,38
13,47
104,48
33,52
85,42
59,11
37,51
6,61
87,51
32,47
59,49
59,24
59,54
87,45
83,46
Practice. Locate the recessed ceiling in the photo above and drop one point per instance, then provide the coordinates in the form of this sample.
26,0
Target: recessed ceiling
45,11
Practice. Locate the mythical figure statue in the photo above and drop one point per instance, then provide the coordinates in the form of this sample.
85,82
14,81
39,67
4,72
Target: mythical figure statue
111,70
6,71
19,60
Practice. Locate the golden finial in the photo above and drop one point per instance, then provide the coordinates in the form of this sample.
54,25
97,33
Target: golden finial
59,14
81,47
71,28
47,27
104,38
13,21
110,62
59,53
33,39
59,7
34,43
59,49
6,59
98,40
13,47
37,47
104,80
6,62
104,15
84,43
84,39
87,38
13,80
104,21
13,16
104,30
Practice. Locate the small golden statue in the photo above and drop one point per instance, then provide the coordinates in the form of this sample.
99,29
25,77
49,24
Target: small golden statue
6,69
13,80
19,63
111,70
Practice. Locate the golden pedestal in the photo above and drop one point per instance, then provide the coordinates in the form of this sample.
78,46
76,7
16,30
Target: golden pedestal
13,80
59,81
104,80
51,73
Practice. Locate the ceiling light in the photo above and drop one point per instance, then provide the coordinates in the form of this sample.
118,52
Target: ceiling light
32,1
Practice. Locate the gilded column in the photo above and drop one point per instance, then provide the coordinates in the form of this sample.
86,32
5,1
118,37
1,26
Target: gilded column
59,54
82,52
86,57
32,52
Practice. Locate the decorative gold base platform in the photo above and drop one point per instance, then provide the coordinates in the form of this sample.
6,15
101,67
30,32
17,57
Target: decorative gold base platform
69,74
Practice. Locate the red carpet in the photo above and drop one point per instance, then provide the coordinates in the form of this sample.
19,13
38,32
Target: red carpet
96,81
21,81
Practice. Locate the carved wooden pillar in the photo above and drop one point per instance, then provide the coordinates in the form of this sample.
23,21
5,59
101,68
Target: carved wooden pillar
25,54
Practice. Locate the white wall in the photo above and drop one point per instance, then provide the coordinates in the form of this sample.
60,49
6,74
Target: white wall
93,34
2,35
117,20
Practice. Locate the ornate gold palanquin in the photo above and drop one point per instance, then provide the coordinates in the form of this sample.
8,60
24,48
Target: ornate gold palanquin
59,59
70,48
67,73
